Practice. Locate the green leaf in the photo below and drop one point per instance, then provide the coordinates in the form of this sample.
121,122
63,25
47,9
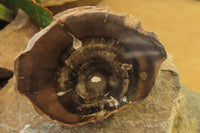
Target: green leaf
41,15
5,13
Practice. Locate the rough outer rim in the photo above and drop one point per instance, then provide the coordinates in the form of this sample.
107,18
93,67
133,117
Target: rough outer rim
130,21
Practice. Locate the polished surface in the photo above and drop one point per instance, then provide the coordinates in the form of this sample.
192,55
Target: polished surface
97,63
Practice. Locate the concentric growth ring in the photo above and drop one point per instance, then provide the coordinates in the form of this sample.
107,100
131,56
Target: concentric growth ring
88,64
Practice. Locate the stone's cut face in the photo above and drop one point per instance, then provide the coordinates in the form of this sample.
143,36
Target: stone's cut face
88,64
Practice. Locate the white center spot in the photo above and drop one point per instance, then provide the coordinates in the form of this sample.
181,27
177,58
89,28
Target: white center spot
95,79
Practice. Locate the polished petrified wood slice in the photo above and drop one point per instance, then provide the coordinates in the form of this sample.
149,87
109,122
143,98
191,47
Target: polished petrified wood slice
88,64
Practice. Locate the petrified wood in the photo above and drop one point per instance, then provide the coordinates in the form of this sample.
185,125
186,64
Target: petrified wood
88,64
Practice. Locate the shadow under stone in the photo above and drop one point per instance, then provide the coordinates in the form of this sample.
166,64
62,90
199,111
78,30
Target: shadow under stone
5,75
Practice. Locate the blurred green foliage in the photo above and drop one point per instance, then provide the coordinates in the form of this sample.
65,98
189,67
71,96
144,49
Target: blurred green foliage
37,12
5,13
41,15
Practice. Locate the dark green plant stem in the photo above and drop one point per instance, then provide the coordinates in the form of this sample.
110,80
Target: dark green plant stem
5,13
41,15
